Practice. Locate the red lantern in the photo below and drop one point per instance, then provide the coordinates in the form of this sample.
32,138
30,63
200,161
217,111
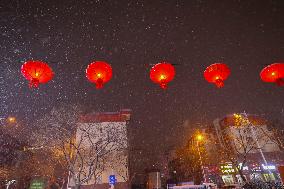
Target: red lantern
217,73
36,72
273,73
162,73
99,72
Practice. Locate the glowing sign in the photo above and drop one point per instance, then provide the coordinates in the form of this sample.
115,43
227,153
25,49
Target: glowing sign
268,167
37,184
227,168
112,179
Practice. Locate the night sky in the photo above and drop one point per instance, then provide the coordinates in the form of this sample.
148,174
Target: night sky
131,35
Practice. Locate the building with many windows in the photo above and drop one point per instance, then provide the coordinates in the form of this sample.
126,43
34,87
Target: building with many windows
249,138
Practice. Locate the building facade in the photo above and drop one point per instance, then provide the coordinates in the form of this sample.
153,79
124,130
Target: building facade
249,140
102,150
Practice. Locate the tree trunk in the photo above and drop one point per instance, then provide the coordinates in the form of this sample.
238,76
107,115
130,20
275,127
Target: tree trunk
129,184
242,176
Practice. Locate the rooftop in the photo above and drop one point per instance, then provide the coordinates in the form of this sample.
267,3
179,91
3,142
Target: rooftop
231,120
121,116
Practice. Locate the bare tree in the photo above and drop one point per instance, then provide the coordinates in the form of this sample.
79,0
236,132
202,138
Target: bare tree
237,142
187,165
118,161
276,134
56,127
95,145
85,149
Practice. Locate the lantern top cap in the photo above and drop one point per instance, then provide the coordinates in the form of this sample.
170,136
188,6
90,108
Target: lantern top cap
217,64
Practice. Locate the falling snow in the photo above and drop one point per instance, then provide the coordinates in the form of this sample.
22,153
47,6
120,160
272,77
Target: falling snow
132,36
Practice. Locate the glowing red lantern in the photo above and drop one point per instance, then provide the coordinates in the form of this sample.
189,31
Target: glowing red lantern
162,73
36,72
217,73
273,73
99,72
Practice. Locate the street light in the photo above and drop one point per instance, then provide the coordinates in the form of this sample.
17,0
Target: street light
11,119
199,138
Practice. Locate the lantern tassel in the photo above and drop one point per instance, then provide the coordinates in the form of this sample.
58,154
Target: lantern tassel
280,82
219,83
163,85
99,83
34,83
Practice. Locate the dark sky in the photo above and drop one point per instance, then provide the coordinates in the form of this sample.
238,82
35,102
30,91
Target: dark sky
68,35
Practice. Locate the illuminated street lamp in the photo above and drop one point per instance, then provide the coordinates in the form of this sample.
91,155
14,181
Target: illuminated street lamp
11,119
199,138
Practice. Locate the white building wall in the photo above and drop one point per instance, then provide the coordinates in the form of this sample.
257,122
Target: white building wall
116,162
257,133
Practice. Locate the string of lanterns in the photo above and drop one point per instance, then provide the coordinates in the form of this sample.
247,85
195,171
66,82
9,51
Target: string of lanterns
100,72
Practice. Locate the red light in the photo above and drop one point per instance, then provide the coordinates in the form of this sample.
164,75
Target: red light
273,73
99,72
36,72
162,73
217,73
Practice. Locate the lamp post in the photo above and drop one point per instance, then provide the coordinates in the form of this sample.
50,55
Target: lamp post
200,138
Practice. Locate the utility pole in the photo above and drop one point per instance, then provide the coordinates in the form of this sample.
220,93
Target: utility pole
199,138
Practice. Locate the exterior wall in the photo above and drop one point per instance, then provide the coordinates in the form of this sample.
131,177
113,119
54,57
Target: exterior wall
100,126
255,167
112,168
256,132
